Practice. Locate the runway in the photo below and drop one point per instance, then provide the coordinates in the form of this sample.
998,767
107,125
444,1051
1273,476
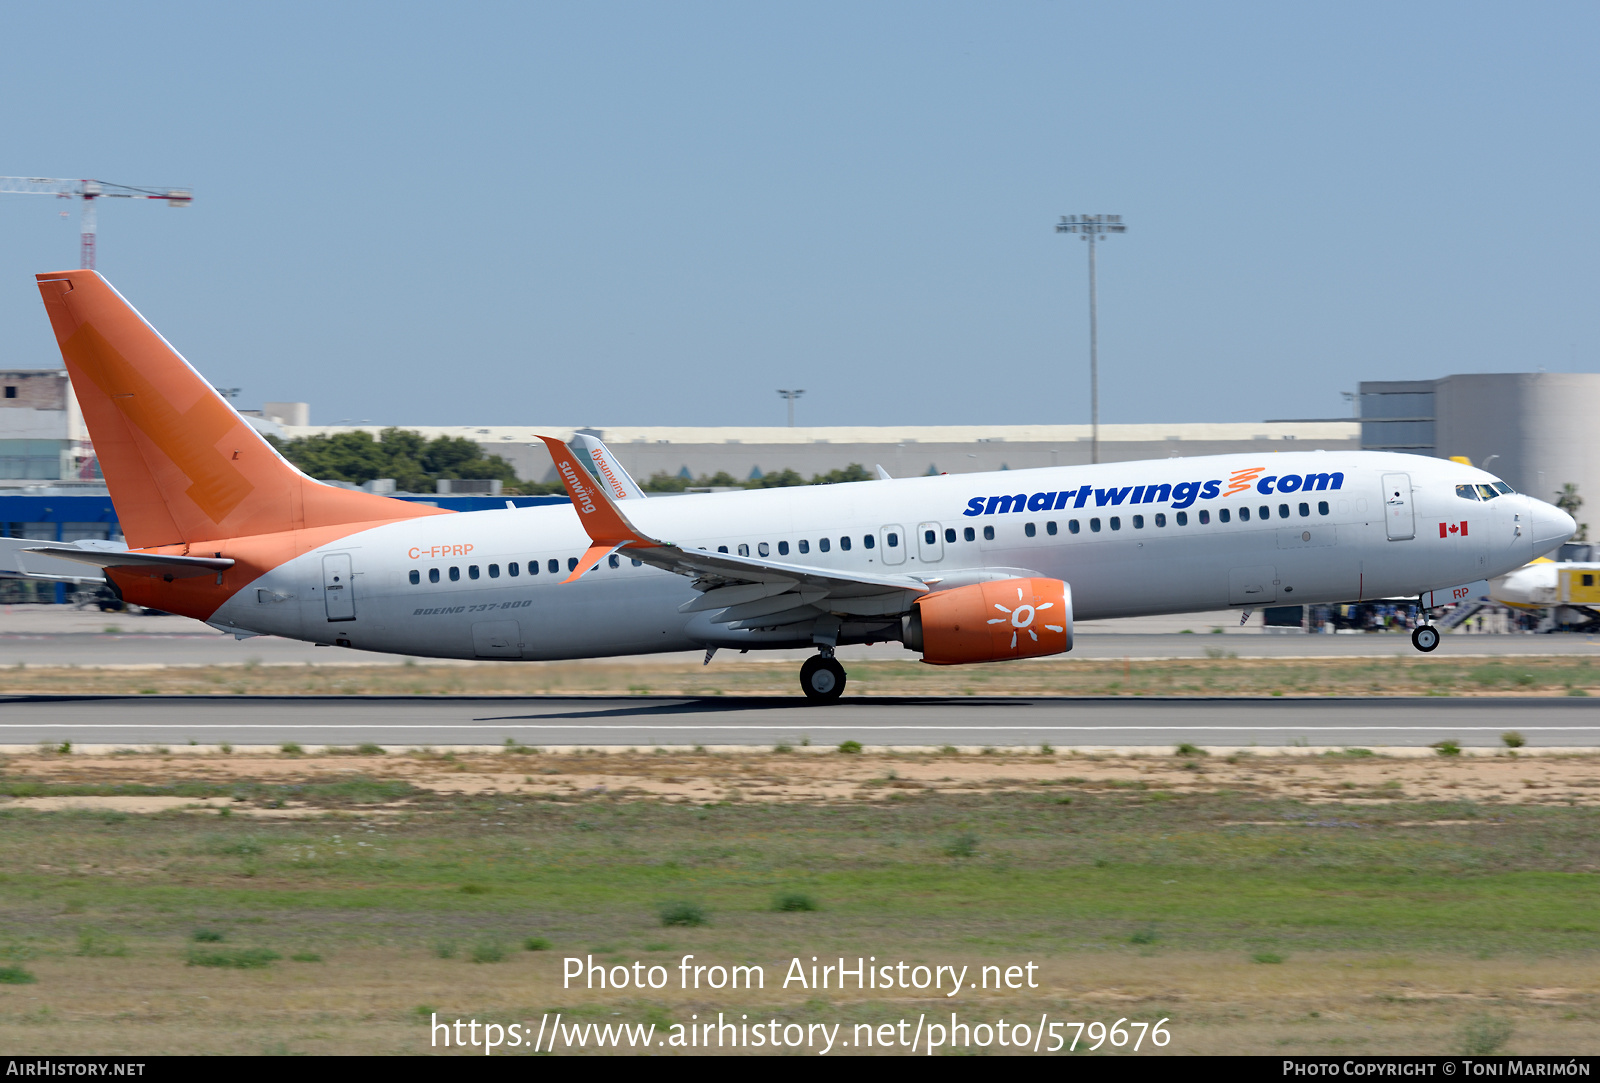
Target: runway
206,647
649,721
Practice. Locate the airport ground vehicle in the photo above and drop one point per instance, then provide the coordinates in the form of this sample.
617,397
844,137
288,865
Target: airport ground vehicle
960,568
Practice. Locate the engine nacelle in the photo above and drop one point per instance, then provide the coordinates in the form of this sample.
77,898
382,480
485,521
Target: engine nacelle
987,622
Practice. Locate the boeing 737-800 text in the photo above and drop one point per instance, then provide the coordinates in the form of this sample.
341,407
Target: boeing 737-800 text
960,568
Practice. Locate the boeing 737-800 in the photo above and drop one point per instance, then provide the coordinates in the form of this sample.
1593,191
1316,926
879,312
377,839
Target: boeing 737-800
959,568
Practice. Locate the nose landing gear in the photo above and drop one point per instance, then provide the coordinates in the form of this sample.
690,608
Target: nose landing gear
822,677
1425,637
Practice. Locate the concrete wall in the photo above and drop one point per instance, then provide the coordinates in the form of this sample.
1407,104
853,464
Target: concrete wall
1539,427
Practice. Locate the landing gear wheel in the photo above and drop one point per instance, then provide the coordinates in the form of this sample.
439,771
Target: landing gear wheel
822,679
1425,638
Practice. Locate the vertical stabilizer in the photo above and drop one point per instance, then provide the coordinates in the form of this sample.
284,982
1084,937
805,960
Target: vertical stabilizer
181,464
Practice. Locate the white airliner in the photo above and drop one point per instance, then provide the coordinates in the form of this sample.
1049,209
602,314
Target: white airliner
959,568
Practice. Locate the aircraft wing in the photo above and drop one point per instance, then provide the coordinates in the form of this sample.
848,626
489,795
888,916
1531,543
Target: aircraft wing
750,592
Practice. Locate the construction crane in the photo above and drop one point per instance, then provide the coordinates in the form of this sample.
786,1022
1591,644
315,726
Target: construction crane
89,191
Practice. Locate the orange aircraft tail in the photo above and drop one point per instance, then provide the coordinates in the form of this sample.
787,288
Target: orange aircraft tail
181,464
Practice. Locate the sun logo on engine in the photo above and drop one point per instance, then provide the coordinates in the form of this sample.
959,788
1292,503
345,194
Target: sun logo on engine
1021,619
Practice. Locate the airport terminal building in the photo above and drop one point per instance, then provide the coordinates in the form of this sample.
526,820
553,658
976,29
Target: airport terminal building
1532,429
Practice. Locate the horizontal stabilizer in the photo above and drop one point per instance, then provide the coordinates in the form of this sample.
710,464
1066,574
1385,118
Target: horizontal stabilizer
160,564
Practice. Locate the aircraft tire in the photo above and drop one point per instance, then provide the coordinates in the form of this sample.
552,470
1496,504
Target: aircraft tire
1425,638
822,679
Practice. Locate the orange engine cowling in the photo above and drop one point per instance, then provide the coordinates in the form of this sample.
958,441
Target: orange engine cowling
986,622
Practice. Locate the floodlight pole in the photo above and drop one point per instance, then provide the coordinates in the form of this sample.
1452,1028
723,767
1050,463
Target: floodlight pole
1091,227
790,396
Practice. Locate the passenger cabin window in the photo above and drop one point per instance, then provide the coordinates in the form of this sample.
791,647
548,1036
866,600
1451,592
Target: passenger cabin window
763,549
433,575
1205,516
988,533
472,571
1305,510
1265,512
1467,492
1182,518
744,549
1138,522
514,569
572,564
722,548
1223,515
893,540
805,547
950,534
1322,507
868,541
783,549
968,534
1161,518
1283,511
416,577
555,566
636,562
455,575
844,542
1027,528
1116,522
1050,527
1094,526
824,544
1244,515
494,571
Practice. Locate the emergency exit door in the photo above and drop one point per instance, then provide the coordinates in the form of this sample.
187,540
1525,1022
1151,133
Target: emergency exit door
338,591
1399,518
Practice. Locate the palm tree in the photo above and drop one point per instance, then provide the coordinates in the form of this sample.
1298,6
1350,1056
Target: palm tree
1569,501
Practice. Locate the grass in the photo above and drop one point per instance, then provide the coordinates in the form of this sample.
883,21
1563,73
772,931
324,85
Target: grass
794,902
1221,675
16,975
233,958
1346,893
487,951
682,913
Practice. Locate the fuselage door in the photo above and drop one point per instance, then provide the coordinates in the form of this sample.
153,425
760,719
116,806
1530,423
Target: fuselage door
892,543
931,545
338,589
1399,519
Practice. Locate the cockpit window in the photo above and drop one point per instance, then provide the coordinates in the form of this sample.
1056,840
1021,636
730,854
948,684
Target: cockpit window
1487,492
1467,492
1503,488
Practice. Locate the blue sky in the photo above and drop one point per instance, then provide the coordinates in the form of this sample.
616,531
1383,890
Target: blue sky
658,214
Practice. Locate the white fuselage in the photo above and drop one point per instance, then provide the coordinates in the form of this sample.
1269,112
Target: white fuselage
1207,533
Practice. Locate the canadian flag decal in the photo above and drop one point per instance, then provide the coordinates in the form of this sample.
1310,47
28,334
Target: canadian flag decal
1447,529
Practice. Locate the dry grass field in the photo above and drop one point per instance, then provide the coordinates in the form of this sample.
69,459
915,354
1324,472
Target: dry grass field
1352,903
1221,675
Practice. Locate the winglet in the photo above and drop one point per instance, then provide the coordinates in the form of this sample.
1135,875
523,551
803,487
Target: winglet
604,522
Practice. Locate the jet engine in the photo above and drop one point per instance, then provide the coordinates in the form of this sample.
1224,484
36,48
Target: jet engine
987,622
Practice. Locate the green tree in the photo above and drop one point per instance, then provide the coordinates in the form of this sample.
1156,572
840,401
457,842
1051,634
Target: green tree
1569,501
402,454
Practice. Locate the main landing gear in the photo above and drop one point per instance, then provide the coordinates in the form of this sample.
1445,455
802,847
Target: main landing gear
822,677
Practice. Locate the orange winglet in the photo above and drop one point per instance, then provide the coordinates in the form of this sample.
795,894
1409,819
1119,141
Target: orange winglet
605,524
591,556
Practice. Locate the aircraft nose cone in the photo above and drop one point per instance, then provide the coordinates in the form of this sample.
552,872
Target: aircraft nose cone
1550,527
